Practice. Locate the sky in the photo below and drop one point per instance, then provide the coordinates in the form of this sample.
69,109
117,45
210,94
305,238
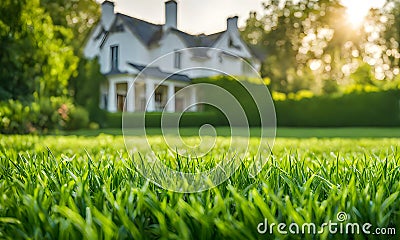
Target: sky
209,16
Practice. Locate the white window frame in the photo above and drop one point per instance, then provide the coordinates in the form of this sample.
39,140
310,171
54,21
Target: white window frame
177,59
114,52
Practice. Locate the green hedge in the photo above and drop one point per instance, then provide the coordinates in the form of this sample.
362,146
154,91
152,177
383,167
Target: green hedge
361,108
374,109
153,119
240,92
354,109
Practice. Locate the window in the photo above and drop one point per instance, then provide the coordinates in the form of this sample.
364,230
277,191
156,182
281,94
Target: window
105,101
114,57
121,90
177,59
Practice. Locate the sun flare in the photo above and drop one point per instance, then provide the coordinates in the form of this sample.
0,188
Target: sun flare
355,17
356,11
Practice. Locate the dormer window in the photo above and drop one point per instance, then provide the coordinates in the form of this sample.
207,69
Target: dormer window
114,57
177,59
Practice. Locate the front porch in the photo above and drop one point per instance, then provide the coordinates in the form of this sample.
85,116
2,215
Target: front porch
124,93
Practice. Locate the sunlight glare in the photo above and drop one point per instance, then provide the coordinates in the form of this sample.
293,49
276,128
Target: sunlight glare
356,11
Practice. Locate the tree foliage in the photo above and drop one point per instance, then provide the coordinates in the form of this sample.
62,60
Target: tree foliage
41,56
78,15
391,34
310,44
35,55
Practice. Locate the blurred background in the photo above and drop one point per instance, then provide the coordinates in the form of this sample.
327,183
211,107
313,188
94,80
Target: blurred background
327,63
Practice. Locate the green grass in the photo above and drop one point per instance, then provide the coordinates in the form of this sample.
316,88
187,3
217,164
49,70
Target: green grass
281,132
74,187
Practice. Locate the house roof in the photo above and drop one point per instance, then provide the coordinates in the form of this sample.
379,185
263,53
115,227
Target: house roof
157,72
147,32
115,71
201,40
150,33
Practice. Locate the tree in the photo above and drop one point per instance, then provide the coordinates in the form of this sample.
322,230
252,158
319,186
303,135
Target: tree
86,87
392,37
35,54
299,36
78,15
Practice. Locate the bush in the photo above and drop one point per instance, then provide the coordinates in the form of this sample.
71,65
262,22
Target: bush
239,91
94,126
153,119
89,78
113,120
353,109
364,106
41,116
78,118
15,117
361,107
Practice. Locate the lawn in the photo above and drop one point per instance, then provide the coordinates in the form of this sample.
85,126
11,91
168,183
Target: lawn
74,187
349,132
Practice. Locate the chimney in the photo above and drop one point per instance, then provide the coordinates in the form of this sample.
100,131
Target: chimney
171,14
107,14
232,23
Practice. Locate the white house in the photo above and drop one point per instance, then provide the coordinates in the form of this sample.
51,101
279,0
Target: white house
125,46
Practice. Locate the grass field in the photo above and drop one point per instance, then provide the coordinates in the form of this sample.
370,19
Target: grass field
281,132
74,187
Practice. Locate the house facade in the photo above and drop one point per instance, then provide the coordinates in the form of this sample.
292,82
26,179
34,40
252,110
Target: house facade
125,46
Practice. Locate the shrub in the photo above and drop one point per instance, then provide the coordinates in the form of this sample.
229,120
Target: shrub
365,106
360,106
78,118
241,94
153,119
353,109
94,126
41,116
15,117
113,120
82,86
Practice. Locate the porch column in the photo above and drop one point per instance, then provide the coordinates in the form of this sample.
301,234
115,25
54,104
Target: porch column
193,99
112,97
171,98
150,96
130,96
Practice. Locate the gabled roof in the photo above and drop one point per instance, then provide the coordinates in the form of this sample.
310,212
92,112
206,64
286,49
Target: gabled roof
157,72
150,33
201,40
147,32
